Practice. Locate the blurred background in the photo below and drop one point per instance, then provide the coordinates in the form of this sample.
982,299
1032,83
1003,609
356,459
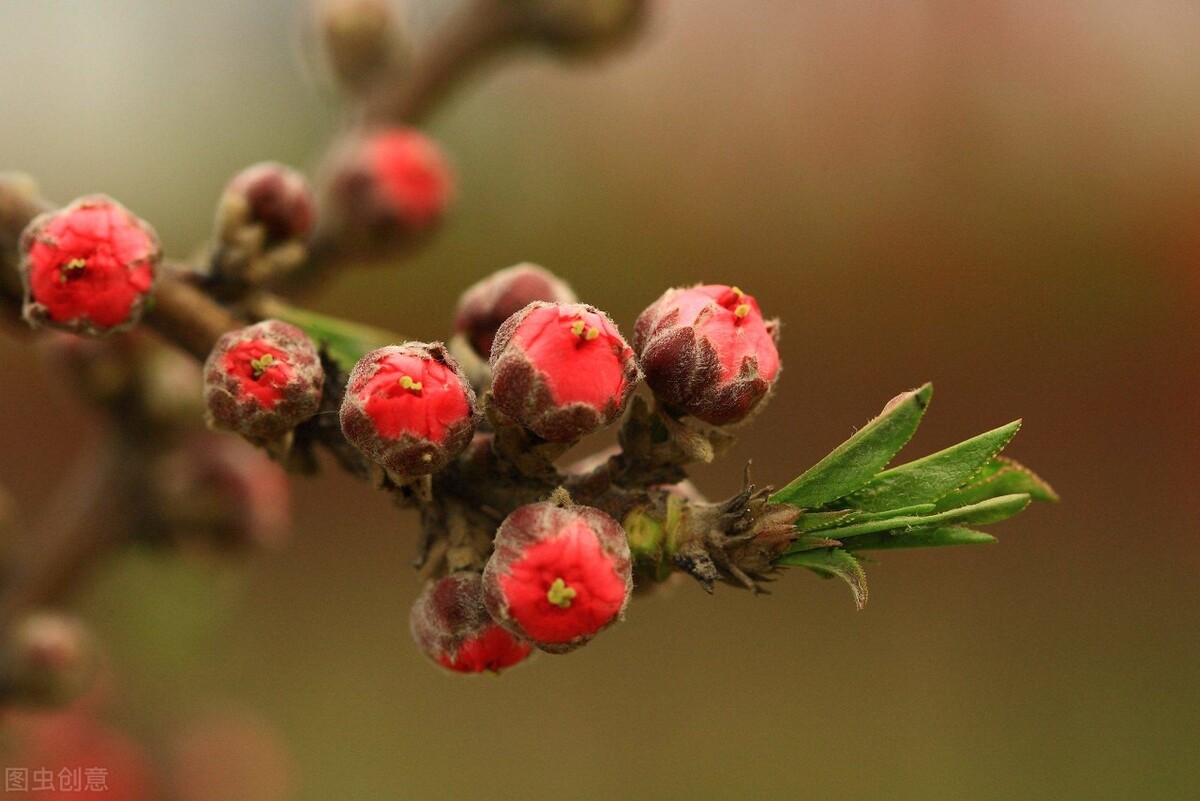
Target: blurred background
999,196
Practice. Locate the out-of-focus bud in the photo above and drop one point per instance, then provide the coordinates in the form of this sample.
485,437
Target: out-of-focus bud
451,626
231,756
561,370
83,755
264,218
582,26
49,659
387,189
559,575
151,388
361,38
409,408
221,492
484,306
707,351
263,380
88,268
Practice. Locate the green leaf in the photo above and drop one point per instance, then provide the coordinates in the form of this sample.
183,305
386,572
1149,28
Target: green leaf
930,478
858,459
1001,476
915,510
992,510
815,521
830,564
921,538
346,342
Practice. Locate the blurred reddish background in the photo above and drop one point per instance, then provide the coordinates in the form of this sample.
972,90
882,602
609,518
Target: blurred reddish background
1003,197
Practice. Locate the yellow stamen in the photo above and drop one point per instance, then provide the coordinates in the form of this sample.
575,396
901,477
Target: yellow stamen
259,366
406,382
560,594
73,266
584,331
737,293
742,310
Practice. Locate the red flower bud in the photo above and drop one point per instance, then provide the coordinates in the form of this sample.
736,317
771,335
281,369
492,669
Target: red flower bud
88,267
263,380
558,575
269,195
484,307
561,370
83,756
394,182
409,408
708,352
450,624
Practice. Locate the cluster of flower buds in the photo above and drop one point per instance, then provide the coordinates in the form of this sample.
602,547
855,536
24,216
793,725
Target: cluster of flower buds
557,573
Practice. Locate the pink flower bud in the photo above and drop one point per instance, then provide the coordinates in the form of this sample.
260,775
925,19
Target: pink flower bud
562,370
558,575
451,626
708,352
271,196
224,493
409,408
263,380
395,182
484,307
49,660
89,267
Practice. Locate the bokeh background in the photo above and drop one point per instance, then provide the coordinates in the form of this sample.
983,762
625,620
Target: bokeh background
999,196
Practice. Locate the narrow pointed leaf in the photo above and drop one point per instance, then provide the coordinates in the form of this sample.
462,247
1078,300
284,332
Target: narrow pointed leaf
932,477
916,510
858,459
808,542
1001,476
814,521
921,538
832,563
992,510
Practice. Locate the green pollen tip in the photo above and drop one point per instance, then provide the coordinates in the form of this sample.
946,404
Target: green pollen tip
560,594
742,310
407,382
259,366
